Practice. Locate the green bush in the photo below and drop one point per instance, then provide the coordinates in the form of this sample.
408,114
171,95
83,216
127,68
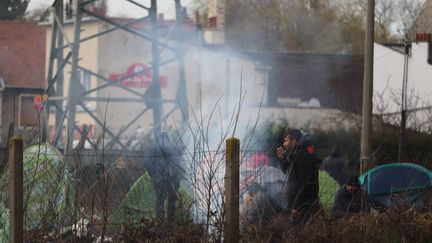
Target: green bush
385,142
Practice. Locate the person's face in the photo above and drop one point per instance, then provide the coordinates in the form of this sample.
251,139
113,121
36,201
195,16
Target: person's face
289,143
351,188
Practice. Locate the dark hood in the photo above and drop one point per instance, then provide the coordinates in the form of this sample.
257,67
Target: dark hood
304,141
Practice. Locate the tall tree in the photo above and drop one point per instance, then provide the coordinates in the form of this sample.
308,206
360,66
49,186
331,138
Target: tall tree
13,9
280,25
393,18
408,11
319,26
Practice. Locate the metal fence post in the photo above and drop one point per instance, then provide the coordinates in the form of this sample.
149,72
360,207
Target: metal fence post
16,216
232,190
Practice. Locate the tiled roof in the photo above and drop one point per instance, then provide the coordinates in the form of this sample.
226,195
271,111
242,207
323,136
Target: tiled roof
22,54
423,22
335,80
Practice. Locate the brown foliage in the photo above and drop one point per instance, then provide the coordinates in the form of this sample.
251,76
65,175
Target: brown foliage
156,231
400,223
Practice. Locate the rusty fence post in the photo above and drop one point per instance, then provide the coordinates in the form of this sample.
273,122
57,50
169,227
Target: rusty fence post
232,190
16,212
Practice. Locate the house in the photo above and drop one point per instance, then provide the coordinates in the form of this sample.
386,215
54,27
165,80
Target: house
302,87
388,82
22,72
423,22
295,79
389,74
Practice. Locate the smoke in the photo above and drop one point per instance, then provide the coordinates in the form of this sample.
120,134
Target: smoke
229,96
225,100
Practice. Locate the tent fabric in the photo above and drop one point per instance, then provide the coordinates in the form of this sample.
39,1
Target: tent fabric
328,188
404,179
46,181
4,224
139,202
45,173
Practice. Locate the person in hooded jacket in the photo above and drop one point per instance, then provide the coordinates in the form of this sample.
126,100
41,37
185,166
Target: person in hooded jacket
336,166
350,199
299,161
164,167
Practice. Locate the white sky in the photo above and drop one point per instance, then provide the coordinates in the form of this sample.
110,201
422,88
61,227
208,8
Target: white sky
124,8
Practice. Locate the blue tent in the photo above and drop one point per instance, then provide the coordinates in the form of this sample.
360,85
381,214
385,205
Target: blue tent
403,179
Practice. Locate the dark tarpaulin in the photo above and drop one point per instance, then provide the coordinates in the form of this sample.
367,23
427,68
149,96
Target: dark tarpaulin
404,180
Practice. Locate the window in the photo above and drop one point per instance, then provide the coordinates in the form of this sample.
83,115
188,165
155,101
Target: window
1,108
213,22
85,81
2,83
28,114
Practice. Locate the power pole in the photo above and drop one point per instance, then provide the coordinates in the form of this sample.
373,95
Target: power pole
367,88
155,86
56,53
404,101
181,94
73,96
151,99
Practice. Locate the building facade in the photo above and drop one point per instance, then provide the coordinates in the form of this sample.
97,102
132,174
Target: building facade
215,78
22,65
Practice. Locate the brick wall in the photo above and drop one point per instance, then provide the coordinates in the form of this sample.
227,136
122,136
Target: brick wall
22,54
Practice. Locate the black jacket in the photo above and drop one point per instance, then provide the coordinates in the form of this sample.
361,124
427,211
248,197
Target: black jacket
346,202
163,159
335,165
301,168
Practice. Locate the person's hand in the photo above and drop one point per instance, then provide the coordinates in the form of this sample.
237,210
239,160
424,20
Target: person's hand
280,153
295,213
247,199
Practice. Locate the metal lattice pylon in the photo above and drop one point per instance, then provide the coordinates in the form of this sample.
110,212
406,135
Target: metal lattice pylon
151,99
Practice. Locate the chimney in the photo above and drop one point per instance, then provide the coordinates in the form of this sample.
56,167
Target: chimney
161,17
197,17
215,32
216,14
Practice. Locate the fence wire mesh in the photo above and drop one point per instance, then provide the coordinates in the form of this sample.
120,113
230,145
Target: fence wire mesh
98,192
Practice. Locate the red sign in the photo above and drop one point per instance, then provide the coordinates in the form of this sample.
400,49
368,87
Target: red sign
141,80
38,101
423,37
256,160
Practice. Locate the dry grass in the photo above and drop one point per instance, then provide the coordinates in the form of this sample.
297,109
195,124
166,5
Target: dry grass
400,223
154,231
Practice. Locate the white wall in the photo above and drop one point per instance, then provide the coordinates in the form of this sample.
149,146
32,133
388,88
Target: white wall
388,77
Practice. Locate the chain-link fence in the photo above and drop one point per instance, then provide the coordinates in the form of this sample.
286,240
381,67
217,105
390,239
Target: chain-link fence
97,193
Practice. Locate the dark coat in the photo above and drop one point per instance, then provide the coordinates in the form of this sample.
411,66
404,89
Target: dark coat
164,165
346,203
163,159
335,165
301,168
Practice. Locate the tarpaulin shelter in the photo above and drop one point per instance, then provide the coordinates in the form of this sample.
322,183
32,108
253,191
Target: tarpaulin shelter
139,202
46,184
404,180
328,188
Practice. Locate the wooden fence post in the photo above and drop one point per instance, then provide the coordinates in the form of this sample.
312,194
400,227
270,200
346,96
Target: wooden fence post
16,209
232,190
